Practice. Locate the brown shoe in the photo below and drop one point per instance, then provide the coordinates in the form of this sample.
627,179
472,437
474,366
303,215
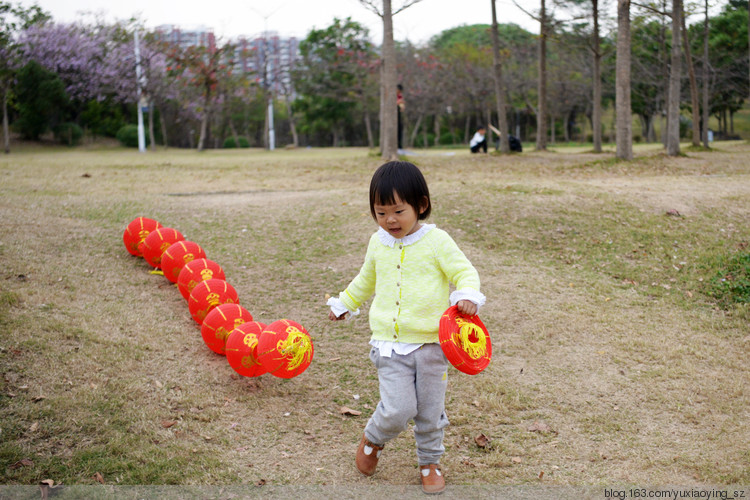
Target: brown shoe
433,482
367,456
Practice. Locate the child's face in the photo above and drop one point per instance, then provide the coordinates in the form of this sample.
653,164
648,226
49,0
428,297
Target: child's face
399,219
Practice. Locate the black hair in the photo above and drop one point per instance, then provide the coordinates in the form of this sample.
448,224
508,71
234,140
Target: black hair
404,179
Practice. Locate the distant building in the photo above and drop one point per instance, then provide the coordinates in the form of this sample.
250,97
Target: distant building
268,56
199,36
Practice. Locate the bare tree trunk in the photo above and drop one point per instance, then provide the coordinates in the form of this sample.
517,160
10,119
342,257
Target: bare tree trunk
163,130
151,136
624,126
368,127
293,123
673,107
6,130
390,107
436,124
235,135
597,112
499,87
705,78
382,105
551,129
665,77
415,131
694,102
204,125
541,117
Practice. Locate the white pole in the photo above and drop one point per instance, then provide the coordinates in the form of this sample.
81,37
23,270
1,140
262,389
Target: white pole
141,131
269,82
271,131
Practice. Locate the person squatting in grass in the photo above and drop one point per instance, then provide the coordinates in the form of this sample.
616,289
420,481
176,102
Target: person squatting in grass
409,267
479,141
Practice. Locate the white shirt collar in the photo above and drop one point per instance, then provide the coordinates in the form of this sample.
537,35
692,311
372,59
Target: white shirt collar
388,240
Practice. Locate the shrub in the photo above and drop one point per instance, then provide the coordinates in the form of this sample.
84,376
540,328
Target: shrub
419,140
229,142
447,138
731,283
68,133
128,136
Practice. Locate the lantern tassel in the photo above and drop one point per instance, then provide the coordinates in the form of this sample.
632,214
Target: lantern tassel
296,346
477,349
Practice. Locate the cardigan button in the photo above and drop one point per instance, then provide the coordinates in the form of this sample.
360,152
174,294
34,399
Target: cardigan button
395,336
398,266
398,284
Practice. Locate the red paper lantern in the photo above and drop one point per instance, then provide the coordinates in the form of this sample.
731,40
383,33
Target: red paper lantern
157,242
465,341
177,255
285,349
196,271
136,232
208,294
242,348
220,322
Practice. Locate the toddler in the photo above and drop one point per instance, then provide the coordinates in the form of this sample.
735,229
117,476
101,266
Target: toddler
409,267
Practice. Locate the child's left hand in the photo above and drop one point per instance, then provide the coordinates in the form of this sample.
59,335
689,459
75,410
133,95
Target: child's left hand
467,307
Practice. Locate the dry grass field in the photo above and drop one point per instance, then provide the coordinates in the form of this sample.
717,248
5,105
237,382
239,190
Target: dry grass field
616,364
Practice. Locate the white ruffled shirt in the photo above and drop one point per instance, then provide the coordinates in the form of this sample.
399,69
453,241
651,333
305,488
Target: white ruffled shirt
385,347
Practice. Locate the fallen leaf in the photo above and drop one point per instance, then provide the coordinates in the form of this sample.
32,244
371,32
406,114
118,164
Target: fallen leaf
34,427
539,427
674,213
22,463
168,423
158,384
261,482
47,487
344,410
516,460
482,441
98,478
36,399
541,475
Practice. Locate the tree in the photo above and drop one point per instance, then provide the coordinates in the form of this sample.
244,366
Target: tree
624,134
675,70
545,30
694,104
203,67
12,21
388,136
338,63
705,111
499,87
41,100
595,46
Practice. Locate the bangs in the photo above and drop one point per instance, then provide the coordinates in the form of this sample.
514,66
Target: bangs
403,179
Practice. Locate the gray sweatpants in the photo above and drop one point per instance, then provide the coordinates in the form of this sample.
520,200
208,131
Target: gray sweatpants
411,387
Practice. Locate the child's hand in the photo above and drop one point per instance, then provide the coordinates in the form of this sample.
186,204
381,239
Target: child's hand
466,307
333,317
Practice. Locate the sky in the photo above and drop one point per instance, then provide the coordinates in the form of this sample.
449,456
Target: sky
230,18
